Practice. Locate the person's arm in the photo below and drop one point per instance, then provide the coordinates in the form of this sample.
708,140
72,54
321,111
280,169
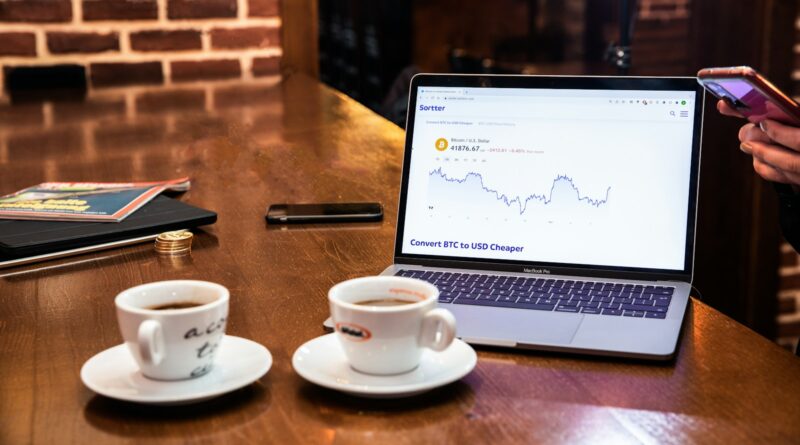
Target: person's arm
775,148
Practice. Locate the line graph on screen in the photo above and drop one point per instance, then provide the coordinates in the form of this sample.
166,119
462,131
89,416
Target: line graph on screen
473,190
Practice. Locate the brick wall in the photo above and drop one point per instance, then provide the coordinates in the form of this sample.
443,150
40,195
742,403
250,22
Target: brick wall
124,42
172,115
789,297
660,41
789,288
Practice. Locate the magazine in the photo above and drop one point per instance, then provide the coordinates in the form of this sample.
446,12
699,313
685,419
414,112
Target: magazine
84,201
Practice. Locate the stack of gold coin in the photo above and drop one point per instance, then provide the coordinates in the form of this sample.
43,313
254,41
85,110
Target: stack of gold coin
178,242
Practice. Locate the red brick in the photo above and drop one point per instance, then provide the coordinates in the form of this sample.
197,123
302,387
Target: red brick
661,30
236,38
21,114
264,8
201,9
205,69
50,82
238,95
791,329
129,134
17,44
789,282
158,101
200,126
35,11
94,10
110,74
266,66
81,42
88,109
166,40
58,143
789,258
787,305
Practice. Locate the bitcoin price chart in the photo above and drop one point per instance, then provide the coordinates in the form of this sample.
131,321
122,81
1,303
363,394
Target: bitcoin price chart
569,177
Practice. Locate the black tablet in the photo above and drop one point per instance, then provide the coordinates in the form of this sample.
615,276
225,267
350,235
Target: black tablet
21,239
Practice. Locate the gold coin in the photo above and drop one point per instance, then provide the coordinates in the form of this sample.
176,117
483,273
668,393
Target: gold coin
176,235
171,245
167,248
183,243
174,251
174,243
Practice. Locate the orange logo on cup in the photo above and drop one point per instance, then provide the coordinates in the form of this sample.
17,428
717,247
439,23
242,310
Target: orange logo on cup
399,291
353,332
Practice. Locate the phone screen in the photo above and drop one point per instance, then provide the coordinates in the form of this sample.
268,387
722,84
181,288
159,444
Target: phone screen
360,211
338,209
748,100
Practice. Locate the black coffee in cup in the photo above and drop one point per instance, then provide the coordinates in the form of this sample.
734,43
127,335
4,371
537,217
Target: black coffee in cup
174,305
385,302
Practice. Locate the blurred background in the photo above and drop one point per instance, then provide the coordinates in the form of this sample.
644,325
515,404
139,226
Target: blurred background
152,59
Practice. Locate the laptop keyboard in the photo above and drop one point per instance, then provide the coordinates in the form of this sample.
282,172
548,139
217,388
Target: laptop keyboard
540,294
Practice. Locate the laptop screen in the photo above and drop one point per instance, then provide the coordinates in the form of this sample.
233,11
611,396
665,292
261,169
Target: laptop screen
559,176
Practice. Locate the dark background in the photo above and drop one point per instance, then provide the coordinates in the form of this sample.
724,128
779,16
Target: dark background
369,49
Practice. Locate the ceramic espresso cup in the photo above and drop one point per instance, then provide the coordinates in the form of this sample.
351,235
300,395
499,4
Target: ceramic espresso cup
173,328
383,323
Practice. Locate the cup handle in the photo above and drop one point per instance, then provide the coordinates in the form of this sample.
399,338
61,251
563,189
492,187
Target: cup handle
151,342
438,329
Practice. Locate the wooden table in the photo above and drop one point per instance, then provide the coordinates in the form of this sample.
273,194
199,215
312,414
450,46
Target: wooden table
246,145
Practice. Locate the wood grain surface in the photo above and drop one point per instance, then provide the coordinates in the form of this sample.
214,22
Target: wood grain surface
248,145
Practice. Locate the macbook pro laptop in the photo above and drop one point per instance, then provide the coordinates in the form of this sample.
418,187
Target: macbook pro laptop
554,213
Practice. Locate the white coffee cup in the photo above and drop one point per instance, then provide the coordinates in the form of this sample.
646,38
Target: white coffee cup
173,344
389,339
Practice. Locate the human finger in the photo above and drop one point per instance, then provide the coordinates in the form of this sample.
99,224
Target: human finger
791,178
751,132
775,155
726,109
769,172
786,135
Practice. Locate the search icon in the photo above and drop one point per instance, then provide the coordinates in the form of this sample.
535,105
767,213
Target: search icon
672,113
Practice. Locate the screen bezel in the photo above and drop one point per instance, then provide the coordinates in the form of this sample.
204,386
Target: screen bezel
688,84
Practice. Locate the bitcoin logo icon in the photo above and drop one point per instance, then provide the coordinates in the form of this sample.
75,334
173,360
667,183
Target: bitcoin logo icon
441,144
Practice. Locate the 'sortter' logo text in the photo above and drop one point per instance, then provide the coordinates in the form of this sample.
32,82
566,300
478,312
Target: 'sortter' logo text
430,108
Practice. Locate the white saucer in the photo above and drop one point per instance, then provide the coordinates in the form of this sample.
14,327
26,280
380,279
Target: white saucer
114,373
322,361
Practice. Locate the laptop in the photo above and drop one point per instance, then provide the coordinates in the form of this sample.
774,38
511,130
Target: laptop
554,213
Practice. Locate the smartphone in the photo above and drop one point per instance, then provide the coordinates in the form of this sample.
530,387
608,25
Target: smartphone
326,212
750,93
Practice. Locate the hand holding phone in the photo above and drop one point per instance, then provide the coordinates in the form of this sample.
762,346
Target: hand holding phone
774,140
750,94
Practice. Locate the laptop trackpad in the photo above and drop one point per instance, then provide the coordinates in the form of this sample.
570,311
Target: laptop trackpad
481,324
